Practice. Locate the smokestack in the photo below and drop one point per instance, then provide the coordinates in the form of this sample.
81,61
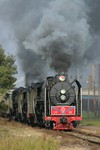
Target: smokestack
26,79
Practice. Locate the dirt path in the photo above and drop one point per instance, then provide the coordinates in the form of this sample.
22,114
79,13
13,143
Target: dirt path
90,129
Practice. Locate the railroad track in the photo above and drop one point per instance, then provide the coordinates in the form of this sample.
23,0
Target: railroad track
85,136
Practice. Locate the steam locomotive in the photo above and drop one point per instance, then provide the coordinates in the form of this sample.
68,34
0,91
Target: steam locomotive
55,103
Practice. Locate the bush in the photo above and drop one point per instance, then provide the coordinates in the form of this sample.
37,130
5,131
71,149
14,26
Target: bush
3,108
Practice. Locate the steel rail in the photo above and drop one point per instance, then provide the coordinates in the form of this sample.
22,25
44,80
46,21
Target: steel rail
84,136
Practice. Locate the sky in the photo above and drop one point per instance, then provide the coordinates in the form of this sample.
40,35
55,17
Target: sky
51,37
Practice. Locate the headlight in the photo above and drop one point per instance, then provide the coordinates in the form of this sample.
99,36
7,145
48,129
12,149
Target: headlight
63,97
63,91
62,78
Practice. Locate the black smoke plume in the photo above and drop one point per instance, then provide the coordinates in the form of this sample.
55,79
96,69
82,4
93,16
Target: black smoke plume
51,35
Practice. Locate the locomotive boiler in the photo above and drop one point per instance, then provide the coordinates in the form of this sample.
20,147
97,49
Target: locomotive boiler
55,103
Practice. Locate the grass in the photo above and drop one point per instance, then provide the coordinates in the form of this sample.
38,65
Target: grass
14,136
90,120
19,143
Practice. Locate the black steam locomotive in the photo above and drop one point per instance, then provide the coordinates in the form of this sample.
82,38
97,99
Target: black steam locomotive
54,103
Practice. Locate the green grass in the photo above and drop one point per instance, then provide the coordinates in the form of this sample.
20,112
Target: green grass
19,143
91,115
15,136
90,120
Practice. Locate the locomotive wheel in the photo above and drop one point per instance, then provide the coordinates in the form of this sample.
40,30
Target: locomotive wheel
31,120
74,124
49,124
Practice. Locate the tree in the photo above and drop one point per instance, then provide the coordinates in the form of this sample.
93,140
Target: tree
7,71
3,108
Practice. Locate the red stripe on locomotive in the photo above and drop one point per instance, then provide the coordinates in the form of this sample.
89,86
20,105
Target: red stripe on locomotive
62,110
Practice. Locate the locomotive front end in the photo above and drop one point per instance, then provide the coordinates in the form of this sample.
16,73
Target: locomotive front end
62,103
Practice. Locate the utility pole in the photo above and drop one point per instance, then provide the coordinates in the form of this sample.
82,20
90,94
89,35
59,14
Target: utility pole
93,80
89,88
99,90
88,105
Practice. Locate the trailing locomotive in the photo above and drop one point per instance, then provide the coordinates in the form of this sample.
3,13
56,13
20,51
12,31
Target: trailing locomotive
55,103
